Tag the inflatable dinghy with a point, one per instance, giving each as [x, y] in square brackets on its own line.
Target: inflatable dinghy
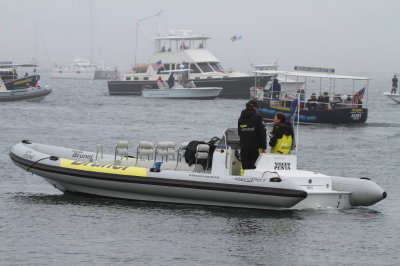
[161, 172]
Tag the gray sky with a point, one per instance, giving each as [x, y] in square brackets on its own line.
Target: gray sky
[352, 36]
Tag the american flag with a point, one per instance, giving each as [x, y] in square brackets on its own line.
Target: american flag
[357, 98]
[157, 65]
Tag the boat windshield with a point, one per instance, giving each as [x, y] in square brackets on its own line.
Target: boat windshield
[216, 66]
[205, 67]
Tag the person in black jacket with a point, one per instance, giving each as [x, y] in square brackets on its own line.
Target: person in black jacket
[252, 135]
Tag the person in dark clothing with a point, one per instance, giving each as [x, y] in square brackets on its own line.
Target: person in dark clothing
[282, 137]
[275, 89]
[312, 102]
[171, 81]
[394, 84]
[252, 135]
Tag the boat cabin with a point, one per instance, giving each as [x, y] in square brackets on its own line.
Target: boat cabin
[180, 48]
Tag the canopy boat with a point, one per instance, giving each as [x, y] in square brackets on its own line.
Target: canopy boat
[193, 173]
[181, 89]
[190, 49]
[331, 106]
[393, 96]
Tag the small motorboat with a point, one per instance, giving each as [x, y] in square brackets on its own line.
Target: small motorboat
[193, 173]
[36, 92]
[393, 96]
[182, 88]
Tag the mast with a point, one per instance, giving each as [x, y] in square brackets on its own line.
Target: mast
[91, 32]
[35, 59]
[138, 24]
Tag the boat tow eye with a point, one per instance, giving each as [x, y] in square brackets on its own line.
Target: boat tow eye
[26, 141]
[53, 158]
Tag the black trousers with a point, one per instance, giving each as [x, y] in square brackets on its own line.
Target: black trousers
[249, 157]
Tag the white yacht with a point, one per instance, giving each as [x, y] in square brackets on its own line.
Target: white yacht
[80, 68]
[190, 50]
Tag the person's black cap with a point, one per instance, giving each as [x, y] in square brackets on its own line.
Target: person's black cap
[251, 104]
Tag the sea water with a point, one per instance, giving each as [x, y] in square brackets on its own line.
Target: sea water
[41, 226]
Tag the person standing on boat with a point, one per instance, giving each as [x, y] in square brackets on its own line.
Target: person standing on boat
[394, 84]
[171, 81]
[275, 89]
[281, 138]
[253, 137]
[160, 83]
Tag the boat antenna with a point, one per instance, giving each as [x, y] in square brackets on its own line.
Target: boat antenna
[138, 24]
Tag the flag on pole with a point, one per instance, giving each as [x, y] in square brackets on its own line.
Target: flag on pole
[357, 98]
[236, 37]
[157, 65]
[293, 106]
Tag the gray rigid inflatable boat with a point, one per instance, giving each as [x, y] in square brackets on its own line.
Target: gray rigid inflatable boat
[160, 173]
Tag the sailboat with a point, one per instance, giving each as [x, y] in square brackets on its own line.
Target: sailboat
[81, 68]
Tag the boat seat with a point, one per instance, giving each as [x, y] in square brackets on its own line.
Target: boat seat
[144, 149]
[202, 151]
[165, 150]
[121, 150]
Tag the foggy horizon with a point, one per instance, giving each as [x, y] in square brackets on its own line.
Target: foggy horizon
[353, 37]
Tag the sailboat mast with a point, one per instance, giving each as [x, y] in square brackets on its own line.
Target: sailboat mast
[91, 32]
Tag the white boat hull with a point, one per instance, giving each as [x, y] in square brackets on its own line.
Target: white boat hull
[183, 93]
[393, 96]
[76, 171]
[72, 74]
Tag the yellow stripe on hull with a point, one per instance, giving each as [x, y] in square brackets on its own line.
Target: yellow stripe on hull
[103, 168]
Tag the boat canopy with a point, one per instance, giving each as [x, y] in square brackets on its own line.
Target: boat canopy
[11, 65]
[307, 74]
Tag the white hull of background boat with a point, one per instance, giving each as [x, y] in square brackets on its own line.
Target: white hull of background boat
[72, 74]
[393, 96]
[183, 93]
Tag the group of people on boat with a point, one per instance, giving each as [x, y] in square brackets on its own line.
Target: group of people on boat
[253, 136]
[171, 82]
[322, 103]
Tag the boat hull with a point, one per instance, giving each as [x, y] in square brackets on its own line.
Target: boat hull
[142, 184]
[25, 94]
[233, 87]
[331, 116]
[393, 96]
[106, 74]
[72, 74]
[22, 83]
[183, 93]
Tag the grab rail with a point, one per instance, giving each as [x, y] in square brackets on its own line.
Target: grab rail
[99, 146]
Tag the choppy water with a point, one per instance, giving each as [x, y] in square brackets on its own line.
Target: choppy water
[41, 226]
